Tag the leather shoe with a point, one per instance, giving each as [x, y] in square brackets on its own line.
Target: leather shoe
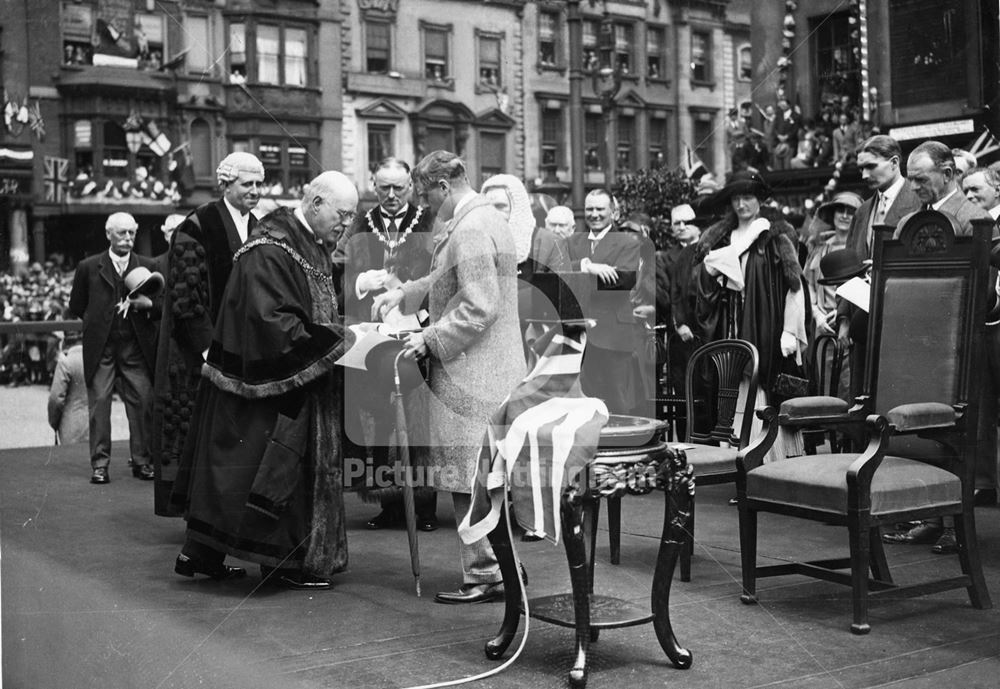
[143, 471]
[386, 519]
[925, 534]
[946, 544]
[100, 475]
[471, 593]
[300, 581]
[188, 567]
[427, 523]
[984, 497]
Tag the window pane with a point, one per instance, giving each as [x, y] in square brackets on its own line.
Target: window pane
[268, 52]
[491, 155]
[655, 44]
[237, 53]
[436, 54]
[593, 142]
[590, 58]
[114, 161]
[700, 57]
[548, 23]
[626, 137]
[746, 64]
[551, 132]
[149, 40]
[377, 47]
[295, 57]
[489, 61]
[196, 39]
[624, 35]
[379, 144]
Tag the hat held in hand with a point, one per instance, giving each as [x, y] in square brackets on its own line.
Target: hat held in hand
[140, 281]
[840, 266]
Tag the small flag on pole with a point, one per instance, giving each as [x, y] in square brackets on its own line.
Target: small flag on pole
[693, 167]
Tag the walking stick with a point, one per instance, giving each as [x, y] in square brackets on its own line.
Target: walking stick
[403, 457]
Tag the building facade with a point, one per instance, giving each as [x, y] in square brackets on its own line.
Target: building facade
[134, 105]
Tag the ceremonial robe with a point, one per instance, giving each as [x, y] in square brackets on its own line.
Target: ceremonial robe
[265, 484]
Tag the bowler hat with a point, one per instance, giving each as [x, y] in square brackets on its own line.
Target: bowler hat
[844, 198]
[140, 281]
[840, 266]
[381, 361]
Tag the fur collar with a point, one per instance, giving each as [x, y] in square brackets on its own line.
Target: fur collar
[782, 237]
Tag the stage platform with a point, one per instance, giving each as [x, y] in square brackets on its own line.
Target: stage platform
[90, 599]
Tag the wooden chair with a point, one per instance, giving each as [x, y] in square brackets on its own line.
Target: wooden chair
[827, 358]
[714, 375]
[919, 403]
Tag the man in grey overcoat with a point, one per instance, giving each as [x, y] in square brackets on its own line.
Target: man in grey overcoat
[472, 345]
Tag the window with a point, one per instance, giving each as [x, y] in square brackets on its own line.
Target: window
[551, 138]
[489, 61]
[656, 52]
[270, 156]
[624, 39]
[440, 139]
[590, 51]
[657, 143]
[744, 63]
[435, 53]
[150, 40]
[593, 142]
[492, 154]
[77, 22]
[701, 56]
[196, 41]
[378, 47]
[704, 137]
[624, 160]
[379, 144]
[201, 149]
[548, 38]
[114, 158]
[268, 54]
[83, 147]
[237, 53]
[298, 169]
[295, 57]
[838, 72]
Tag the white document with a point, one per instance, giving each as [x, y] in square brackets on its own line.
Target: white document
[857, 291]
[367, 335]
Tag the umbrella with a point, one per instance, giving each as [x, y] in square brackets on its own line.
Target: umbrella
[403, 457]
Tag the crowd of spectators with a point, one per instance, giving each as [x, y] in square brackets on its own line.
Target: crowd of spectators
[777, 137]
[39, 293]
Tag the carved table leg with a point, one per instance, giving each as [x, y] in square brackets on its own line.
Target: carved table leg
[571, 511]
[500, 540]
[676, 477]
[591, 516]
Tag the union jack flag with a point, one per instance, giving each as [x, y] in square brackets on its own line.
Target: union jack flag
[55, 178]
[537, 442]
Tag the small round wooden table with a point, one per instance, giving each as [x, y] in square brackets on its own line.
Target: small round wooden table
[619, 468]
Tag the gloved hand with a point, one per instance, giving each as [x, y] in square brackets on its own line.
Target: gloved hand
[789, 344]
[371, 280]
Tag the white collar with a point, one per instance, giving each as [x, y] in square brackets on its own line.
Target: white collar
[301, 217]
[994, 212]
[115, 258]
[892, 192]
[399, 214]
[238, 217]
[600, 235]
[937, 205]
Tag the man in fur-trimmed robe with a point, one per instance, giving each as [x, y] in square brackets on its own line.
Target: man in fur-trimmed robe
[199, 261]
[265, 483]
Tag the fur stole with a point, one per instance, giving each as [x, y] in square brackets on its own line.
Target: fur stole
[781, 238]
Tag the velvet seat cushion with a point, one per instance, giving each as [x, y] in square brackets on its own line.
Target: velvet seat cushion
[820, 482]
[921, 415]
[814, 405]
[709, 459]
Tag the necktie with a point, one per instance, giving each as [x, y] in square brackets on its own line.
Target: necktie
[593, 246]
[881, 211]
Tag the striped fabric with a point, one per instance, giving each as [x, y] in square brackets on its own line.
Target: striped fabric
[538, 441]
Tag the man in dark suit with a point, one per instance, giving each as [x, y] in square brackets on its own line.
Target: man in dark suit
[200, 260]
[118, 345]
[880, 160]
[384, 248]
[608, 369]
[931, 174]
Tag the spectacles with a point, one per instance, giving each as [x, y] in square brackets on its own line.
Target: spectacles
[346, 216]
